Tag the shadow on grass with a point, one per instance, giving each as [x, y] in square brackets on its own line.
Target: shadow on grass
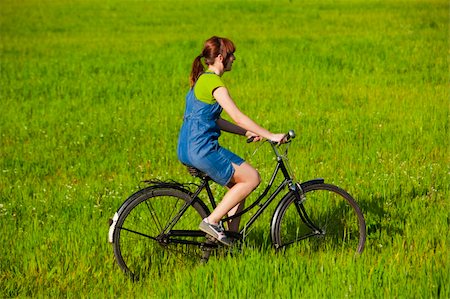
[386, 215]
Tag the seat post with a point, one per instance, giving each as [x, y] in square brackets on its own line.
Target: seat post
[205, 182]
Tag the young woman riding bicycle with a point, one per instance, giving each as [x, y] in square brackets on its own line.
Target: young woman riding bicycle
[202, 125]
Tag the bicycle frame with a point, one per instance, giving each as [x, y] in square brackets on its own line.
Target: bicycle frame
[282, 164]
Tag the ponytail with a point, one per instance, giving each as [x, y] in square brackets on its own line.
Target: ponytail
[197, 70]
[212, 48]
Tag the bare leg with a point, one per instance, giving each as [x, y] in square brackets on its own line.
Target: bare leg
[233, 224]
[244, 181]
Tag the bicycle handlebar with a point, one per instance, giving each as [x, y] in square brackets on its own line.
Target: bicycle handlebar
[289, 135]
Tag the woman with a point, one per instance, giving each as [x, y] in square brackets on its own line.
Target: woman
[198, 140]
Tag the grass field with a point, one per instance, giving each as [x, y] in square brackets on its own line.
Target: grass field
[92, 96]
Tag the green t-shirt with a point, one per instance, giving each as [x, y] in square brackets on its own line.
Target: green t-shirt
[205, 85]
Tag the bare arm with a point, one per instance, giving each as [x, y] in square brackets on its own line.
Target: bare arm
[224, 99]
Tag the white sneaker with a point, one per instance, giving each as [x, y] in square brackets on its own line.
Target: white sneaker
[216, 231]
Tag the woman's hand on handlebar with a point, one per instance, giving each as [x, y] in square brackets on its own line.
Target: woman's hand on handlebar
[275, 138]
[252, 137]
[278, 138]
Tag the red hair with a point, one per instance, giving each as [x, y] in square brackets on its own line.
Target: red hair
[212, 48]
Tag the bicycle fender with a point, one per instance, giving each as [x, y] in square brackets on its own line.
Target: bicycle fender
[312, 182]
[153, 185]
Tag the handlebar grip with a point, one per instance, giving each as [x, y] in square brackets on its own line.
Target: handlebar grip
[250, 139]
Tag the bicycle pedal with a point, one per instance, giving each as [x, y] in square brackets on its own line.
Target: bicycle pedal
[233, 235]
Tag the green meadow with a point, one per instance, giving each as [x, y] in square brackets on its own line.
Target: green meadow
[91, 101]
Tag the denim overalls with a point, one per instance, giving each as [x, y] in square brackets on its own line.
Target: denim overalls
[198, 144]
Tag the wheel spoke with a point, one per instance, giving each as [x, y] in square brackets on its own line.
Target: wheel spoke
[137, 233]
[151, 210]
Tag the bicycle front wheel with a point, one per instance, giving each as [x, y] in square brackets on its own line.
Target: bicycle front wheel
[327, 216]
[142, 239]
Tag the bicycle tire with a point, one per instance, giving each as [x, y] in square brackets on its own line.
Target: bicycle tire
[136, 247]
[338, 221]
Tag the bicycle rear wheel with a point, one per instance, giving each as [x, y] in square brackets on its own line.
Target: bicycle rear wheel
[139, 242]
[328, 216]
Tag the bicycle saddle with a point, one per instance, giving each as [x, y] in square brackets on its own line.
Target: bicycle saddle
[196, 173]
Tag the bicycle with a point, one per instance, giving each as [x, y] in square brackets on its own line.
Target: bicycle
[162, 219]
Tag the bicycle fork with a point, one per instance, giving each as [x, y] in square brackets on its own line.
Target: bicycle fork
[299, 199]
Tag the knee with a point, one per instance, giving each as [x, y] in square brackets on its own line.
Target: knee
[248, 175]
